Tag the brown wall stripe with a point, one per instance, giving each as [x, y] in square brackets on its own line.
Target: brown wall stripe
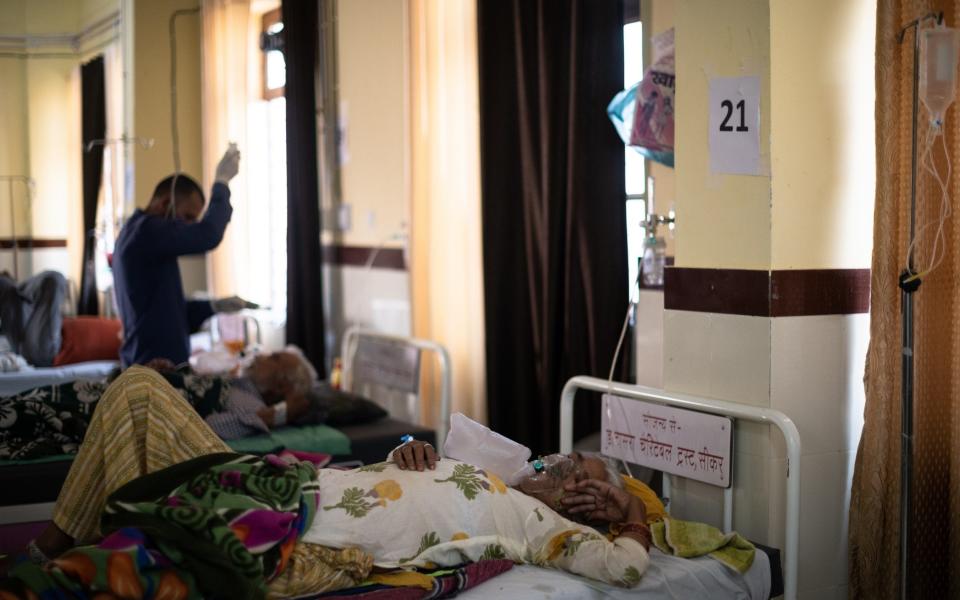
[357, 256]
[26, 243]
[787, 293]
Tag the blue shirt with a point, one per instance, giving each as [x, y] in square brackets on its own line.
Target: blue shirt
[157, 319]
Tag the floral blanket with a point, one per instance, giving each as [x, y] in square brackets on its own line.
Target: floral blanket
[227, 527]
[459, 513]
[52, 420]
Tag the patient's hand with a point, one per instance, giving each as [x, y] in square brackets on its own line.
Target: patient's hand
[161, 365]
[597, 500]
[415, 455]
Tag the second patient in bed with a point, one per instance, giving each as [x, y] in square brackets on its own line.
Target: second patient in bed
[273, 390]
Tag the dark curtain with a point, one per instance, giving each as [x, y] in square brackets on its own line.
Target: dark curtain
[554, 223]
[94, 127]
[305, 326]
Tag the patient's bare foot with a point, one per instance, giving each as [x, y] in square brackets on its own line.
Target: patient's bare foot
[53, 541]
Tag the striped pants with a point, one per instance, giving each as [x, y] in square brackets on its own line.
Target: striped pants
[141, 425]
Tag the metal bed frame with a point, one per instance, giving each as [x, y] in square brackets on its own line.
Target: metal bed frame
[348, 349]
[720, 407]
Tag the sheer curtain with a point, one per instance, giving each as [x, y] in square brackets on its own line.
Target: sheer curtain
[226, 31]
[875, 501]
[251, 260]
[447, 261]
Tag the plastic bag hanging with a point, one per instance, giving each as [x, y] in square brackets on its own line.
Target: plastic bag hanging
[643, 114]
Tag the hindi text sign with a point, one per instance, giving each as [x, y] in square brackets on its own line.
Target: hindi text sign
[687, 443]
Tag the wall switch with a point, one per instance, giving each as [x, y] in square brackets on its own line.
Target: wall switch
[344, 217]
[338, 218]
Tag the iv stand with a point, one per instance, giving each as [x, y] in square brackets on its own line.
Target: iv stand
[907, 287]
[29, 183]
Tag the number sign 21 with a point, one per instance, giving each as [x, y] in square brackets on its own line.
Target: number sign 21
[735, 125]
[728, 106]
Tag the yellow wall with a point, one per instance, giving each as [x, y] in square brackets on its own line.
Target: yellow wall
[92, 11]
[151, 105]
[54, 144]
[722, 220]
[151, 95]
[822, 93]
[373, 68]
[665, 193]
[39, 115]
[14, 156]
[816, 119]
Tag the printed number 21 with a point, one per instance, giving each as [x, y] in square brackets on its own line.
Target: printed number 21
[727, 104]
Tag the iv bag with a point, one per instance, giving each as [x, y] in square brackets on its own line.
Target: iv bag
[939, 49]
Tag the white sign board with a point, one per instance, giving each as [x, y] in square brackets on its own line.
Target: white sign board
[682, 442]
[735, 125]
[391, 364]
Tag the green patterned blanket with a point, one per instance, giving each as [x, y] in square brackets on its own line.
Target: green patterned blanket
[218, 526]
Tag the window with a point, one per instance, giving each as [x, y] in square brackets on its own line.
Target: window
[266, 266]
[274, 66]
[635, 167]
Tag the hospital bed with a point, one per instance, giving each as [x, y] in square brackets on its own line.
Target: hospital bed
[391, 370]
[670, 577]
[21, 381]
[370, 367]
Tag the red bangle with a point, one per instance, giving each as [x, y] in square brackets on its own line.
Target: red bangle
[641, 529]
[635, 527]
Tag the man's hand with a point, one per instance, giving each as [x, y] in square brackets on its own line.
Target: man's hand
[416, 455]
[229, 165]
[231, 305]
[597, 500]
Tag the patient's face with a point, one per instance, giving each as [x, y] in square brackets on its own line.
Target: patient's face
[270, 373]
[548, 486]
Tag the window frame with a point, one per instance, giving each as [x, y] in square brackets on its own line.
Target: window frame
[269, 18]
[634, 11]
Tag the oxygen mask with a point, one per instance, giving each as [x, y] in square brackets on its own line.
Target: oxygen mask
[550, 475]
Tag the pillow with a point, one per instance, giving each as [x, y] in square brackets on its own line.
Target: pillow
[88, 338]
[655, 509]
[338, 408]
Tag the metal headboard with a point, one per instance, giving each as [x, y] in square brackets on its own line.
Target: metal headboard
[348, 349]
[720, 407]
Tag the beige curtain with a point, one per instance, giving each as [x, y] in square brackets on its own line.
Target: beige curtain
[447, 269]
[875, 502]
[226, 30]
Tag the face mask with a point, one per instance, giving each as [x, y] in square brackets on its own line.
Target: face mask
[551, 474]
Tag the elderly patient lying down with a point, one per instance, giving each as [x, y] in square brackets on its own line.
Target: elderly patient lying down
[273, 389]
[208, 521]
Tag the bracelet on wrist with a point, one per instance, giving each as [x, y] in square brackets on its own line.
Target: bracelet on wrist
[635, 527]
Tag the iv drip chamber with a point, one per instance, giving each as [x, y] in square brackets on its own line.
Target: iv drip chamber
[939, 50]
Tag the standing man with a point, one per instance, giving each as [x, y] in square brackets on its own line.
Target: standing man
[157, 319]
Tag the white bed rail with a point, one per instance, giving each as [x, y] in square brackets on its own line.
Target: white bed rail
[348, 347]
[732, 409]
